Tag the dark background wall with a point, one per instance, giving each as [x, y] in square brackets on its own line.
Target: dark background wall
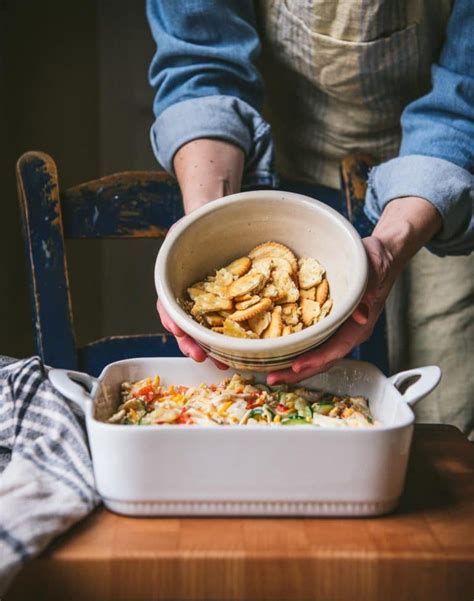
[73, 84]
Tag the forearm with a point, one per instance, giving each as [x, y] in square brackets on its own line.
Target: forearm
[207, 169]
[406, 225]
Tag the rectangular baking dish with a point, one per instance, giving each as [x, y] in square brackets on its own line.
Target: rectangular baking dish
[249, 470]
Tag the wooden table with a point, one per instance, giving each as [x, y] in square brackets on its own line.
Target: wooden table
[424, 551]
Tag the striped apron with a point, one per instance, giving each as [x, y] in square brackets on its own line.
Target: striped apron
[338, 75]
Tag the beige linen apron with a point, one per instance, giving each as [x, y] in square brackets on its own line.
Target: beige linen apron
[338, 74]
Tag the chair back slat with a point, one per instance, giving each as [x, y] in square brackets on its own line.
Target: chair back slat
[133, 204]
[38, 192]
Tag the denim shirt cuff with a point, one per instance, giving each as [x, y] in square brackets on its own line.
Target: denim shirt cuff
[446, 186]
[221, 117]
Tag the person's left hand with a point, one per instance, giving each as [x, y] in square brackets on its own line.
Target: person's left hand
[358, 328]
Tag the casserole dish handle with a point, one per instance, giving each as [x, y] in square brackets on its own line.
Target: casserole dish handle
[74, 385]
[427, 378]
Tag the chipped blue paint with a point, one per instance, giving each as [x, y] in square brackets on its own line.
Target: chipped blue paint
[136, 204]
[39, 203]
[44, 241]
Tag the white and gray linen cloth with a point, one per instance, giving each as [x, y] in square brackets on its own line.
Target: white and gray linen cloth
[46, 478]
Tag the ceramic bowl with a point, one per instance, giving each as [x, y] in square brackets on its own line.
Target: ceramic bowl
[226, 229]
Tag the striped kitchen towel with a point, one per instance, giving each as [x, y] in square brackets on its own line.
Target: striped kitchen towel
[46, 479]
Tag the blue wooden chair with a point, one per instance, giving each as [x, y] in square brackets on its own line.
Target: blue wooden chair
[125, 205]
[132, 204]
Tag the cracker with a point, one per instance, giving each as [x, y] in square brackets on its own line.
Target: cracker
[247, 283]
[275, 327]
[310, 272]
[274, 249]
[322, 292]
[262, 305]
[260, 322]
[210, 303]
[310, 311]
[239, 267]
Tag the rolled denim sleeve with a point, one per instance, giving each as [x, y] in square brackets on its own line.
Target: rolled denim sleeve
[436, 159]
[206, 81]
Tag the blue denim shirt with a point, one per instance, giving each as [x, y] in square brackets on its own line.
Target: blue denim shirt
[207, 85]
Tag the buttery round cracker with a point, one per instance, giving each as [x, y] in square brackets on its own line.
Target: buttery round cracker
[216, 289]
[263, 266]
[274, 249]
[286, 286]
[239, 267]
[232, 328]
[322, 292]
[224, 277]
[214, 319]
[310, 272]
[245, 284]
[210, 303]
[310, 311]
[259, 323]
[276, 326]
[194, 292]
[290, 314]
[309, 293]
[262, 305]
[245, 304]
[325, 309]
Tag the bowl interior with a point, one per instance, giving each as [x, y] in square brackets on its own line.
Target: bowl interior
[232, 228]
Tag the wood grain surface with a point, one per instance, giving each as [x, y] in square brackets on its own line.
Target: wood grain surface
[424, 551]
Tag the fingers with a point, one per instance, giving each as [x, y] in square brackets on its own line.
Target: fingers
[322, 358]
[218, 364]
[336, 347]
[188, 346]
[167, 322]
[191, 349]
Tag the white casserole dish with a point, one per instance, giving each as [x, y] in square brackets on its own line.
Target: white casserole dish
[249, 470]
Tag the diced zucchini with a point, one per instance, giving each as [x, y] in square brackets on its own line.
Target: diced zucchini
[304, 410]
[322, 408]
[294, 421]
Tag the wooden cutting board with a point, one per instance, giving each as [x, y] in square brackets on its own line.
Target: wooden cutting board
[424, 551]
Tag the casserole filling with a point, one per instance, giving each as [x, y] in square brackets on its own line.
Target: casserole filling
[237, 400]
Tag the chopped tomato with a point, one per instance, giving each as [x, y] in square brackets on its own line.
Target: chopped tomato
[280, 407]
[144, 391]
[183, 417]
[182, 389]
[252, 404]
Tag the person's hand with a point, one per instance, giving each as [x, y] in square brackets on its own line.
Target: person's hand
[187, 345]
[357, 328]
[405, 226]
